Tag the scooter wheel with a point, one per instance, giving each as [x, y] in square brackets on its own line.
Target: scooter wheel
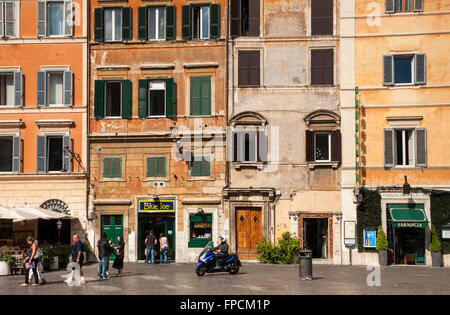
[200, 270]
[234, 268]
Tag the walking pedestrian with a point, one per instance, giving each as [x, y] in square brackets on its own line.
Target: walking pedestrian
[120, 253]
[40, 267]
[150, 242]
[76, 256]
[163, 248]
[104, 251]
[31, 262]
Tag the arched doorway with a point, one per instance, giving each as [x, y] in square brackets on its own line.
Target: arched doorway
[48, 229]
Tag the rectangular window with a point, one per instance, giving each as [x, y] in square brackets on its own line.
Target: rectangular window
[55, 153]
[200, 96]
[404, 144]
[249, 68]
[201, 230]
[156, 167]
[6, 89]
[200, 166]
[112, 167]
[113, 24]
[403, 5]
[7, 18]
[244, 17]
[157, 98]
[55, 88]
[246, 146]
[113, 97]
[156, 23]
[55, 16]
[322, 61]
[6, 154]
[322, 146]
[200, 22]
[322, 17]
[403, 69]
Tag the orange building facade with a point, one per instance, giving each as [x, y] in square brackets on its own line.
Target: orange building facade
[43, 58]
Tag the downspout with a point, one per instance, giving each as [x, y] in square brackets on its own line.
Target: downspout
[88, 92]
[227, 165]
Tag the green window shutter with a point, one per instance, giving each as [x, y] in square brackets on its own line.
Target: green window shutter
[206, 96]
[127, 21]
[156, 167]
[112, 167]
[200, 96]
[170, 97]
[215, 21]
[117, 167]
[171, 22]
[142, 23]
[99, 103]
[107, 167]
[186, 22]
[143, 98]
[195, 97]
[98, 25]
[126, 99]
[200, 167]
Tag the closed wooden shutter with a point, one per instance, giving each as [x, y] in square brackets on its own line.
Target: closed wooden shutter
[68, 18]
[389, 148]
[16, 154]
[10, 25]
[171, 22]
[421, 147]
[388, 70]
[126, 99]
[420, 68]
[156, 167]
[98, 25]
[68, 84]
[201, 166]
[253, 17]
[215, 21]
[17, 88]
[127, 19]
[418, 5]
[143, 98]
[309, 145]
[322, 17]
[99, 103]
[249, 68]
[142, 23]
[41, 18]
[322, 61]
[336, 151]
[186, 22]
[235, 18]
[41, 88]
[67, 146]
[170, 97]
[200, 96]
[41, 164]
[112, 167]
[389, 6]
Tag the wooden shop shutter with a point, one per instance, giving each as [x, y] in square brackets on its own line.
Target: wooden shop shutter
[171, 22]
[99, 104]
[126, 99]
[309, 145]
[214, 21]
[127, 18]
[389, 148]
[421, 147]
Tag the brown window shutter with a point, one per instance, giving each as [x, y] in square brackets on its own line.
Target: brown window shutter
[322, 17]
[309, 146]
[322, 72]
[235, 147]
[235, 18]
[248, 68]
[336, 152]
[253, 18]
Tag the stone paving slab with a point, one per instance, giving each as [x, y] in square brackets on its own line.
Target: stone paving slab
[252, 279]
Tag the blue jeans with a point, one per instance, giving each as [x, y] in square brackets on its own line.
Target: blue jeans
[152, 251]
[103, 265]
[163, 253]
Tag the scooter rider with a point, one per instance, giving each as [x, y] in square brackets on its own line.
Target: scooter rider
[221, 251]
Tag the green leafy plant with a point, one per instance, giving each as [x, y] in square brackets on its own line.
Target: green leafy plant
[382, 243]
[6, 256]
[280, 253]
[435, 245]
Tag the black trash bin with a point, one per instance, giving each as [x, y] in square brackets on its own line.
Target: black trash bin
[305, 264]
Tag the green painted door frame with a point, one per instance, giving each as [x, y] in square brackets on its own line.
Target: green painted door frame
[112, 225]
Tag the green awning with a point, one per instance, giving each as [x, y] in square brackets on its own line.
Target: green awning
[407, 215]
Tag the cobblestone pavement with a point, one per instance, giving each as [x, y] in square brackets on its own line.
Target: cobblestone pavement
[252, 279]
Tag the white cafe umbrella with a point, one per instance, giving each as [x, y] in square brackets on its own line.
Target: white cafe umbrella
[32, 213]
[7, 213]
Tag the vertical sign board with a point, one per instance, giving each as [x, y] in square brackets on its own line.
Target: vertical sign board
[370, 238]
[350, 233]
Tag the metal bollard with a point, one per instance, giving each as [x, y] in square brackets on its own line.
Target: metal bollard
[305, 264]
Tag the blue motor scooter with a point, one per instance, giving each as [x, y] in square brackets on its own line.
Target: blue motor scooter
[207, 262]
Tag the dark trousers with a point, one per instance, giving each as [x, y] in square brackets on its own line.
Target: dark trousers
[219, 258]
[35, 274]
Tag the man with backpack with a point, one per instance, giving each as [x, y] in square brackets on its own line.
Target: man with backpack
[104, 251]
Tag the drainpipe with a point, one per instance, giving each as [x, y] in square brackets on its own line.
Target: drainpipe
[227, 165]
[88, 56]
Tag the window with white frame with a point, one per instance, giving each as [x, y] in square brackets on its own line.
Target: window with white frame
[405, 147]
[53, 153]
[245, 146]
[113, 24]
[55, 88]
[322, 146]
[200, 22]
[6, 89]
[404, 69]
[156, 23]
[157, 98]
[55, 18]
[404, 144]
[7, 18]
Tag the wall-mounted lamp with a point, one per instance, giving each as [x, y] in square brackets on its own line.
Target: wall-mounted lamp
[406, 187]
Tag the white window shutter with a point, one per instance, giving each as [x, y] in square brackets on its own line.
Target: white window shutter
[68, 18]
[10, 24]
[18, 88]
[68, 91]
[421, 147]
[41, 18]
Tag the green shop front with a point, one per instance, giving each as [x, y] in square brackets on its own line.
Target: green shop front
[407, 224]
[159, 215]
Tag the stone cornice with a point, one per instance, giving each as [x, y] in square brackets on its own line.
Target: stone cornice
[57, 123]
[11, 123]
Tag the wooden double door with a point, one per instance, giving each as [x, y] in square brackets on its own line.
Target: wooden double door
[248, 232]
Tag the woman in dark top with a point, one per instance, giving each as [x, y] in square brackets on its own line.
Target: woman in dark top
[32, 262]
[118, 261]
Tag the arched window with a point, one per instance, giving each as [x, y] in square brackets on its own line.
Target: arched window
[56, 205]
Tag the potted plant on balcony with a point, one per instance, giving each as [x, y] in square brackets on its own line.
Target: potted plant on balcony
[435, 248]
[382, 247]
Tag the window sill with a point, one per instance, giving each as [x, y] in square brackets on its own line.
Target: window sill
[241, 165]
[200, 178]
[105, 180]
[312, 165]
[156, 179]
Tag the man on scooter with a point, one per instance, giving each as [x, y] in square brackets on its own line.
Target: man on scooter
[221, 251]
